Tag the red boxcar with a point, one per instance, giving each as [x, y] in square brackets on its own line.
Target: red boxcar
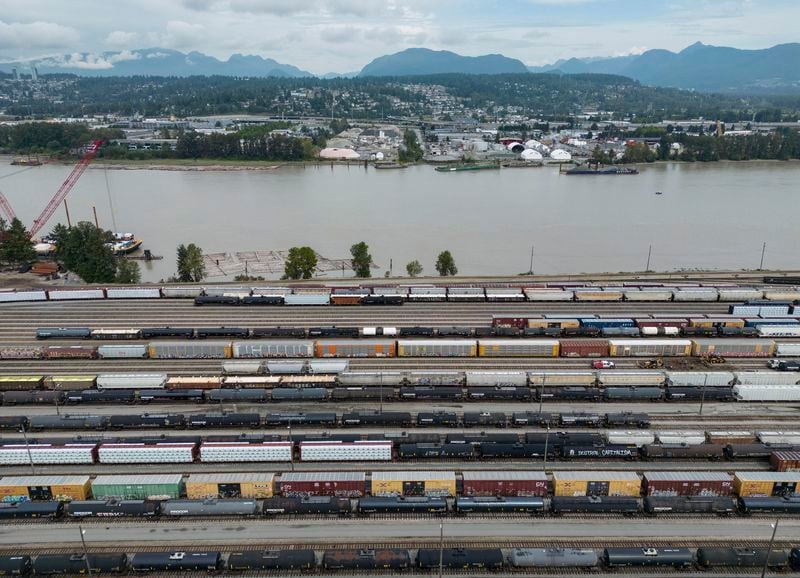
[515, 483]
[339, 484]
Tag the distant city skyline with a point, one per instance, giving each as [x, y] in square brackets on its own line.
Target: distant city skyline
[343, 35]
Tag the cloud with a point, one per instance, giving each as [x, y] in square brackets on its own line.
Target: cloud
[180, 34]
[121, 39]
[36, 35]
[339, 34]
[89, 61]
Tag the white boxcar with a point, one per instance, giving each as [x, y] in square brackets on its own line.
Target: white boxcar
[245, 452]
[779, 437]
[585, 378]
[47, 454]
[465, 294]
[273, 348]
[271, 291]
[779, 330]
[122, 351]
[695, 294]
[740, 294]
[328, 366]
[745, 310]
[346, 451]
[9, 296]
[782, 293]
[768, 377]
[643, 377]
[689, 438]
[636, 438]
[427, 294]
[787, 349]
[548, 295]
[307, 299]
[767, 392]
[131, 380]
[371, 378]
[182, 292]
[220, 290]
[70, 294]
[133, 293]
[708, 378]
[242, 367]
[496, 378]
[133, 453]
[504, 294]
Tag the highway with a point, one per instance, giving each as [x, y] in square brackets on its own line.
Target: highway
[267, 531]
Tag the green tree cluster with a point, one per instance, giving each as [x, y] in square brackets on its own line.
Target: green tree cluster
[410, 151]
[300, 263]
[15, 243]
[445, 264]
[191, 268]
[83, 250]
[128, 272]
[51, 137]
[414, 268]
[361, 259]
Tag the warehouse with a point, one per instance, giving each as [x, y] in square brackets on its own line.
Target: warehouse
[138, 487]
[518, 347]
[508, 483]
[596, 484]
[758, 484]
[230, 485]
[649, 347]
[704, 484]
[414, 483]
[24, 488]
[337, 484]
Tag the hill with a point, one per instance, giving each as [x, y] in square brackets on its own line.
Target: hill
[418, 61]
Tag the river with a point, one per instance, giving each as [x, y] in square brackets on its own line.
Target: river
[714, 215]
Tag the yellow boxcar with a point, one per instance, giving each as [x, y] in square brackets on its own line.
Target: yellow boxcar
[233, 485]
[413, 483]
[716, 322]
[20, 382]
[766, 483]
[41, 488]
[596, 484]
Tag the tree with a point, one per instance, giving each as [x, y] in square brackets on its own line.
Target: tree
[410, 151]
[16, 248]
[300, 264]
[445, 264]
[414, 268]
[128, 272]
[83, 249]
[361, 260]
[190, 263]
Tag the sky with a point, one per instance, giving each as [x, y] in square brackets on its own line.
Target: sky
[343, 35]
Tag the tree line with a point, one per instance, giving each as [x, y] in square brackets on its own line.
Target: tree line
[51, 137]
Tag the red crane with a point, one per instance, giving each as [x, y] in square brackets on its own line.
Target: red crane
[38, 223]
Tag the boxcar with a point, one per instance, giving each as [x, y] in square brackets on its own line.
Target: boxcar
[741, 558]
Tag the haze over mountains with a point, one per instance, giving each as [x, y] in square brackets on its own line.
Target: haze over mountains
[699, 67]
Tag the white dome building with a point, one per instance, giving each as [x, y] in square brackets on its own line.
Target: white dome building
[516, 147]
[531, 155]
[560, 155]
[333, 154]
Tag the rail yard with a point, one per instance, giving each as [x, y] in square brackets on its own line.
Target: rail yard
[552, 429]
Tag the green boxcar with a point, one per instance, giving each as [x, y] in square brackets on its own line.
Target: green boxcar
[138, 487]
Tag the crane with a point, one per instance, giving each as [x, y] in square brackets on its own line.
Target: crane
[62, 192]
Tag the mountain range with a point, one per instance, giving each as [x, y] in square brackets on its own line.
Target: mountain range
[698, 67]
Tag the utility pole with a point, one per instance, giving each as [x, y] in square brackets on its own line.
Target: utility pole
[703, 393]
[291, 447]
[530, 269]
[763, 250]
[769, 549]
[649, 252]
[28, 449]
[85, 551]
[441, 548]
[66, 208]
[94, 211]
[541, 394]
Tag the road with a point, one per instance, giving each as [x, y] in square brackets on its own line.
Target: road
[264, 531]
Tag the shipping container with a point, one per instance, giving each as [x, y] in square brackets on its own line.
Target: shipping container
[44, 488]
[218, 452]
[138, 487]
[338, 484]
[355, 348]
[704, 484]
[584, 348]
[437, 348]
[416, 483]
[769, 484]
[272, 348]
[596, 483]
[122, 351]
[131, 380]
[504, 483]
[649, 347]
[345, 451]
[189, 350]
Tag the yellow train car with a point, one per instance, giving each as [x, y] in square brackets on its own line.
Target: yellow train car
[518, 348]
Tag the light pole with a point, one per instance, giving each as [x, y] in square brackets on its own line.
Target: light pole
[28, 450]
[703, 392]
[769, 549]
[85, 551]
[546, 442]
[291, 446]
[441, 548]
[541, 393]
